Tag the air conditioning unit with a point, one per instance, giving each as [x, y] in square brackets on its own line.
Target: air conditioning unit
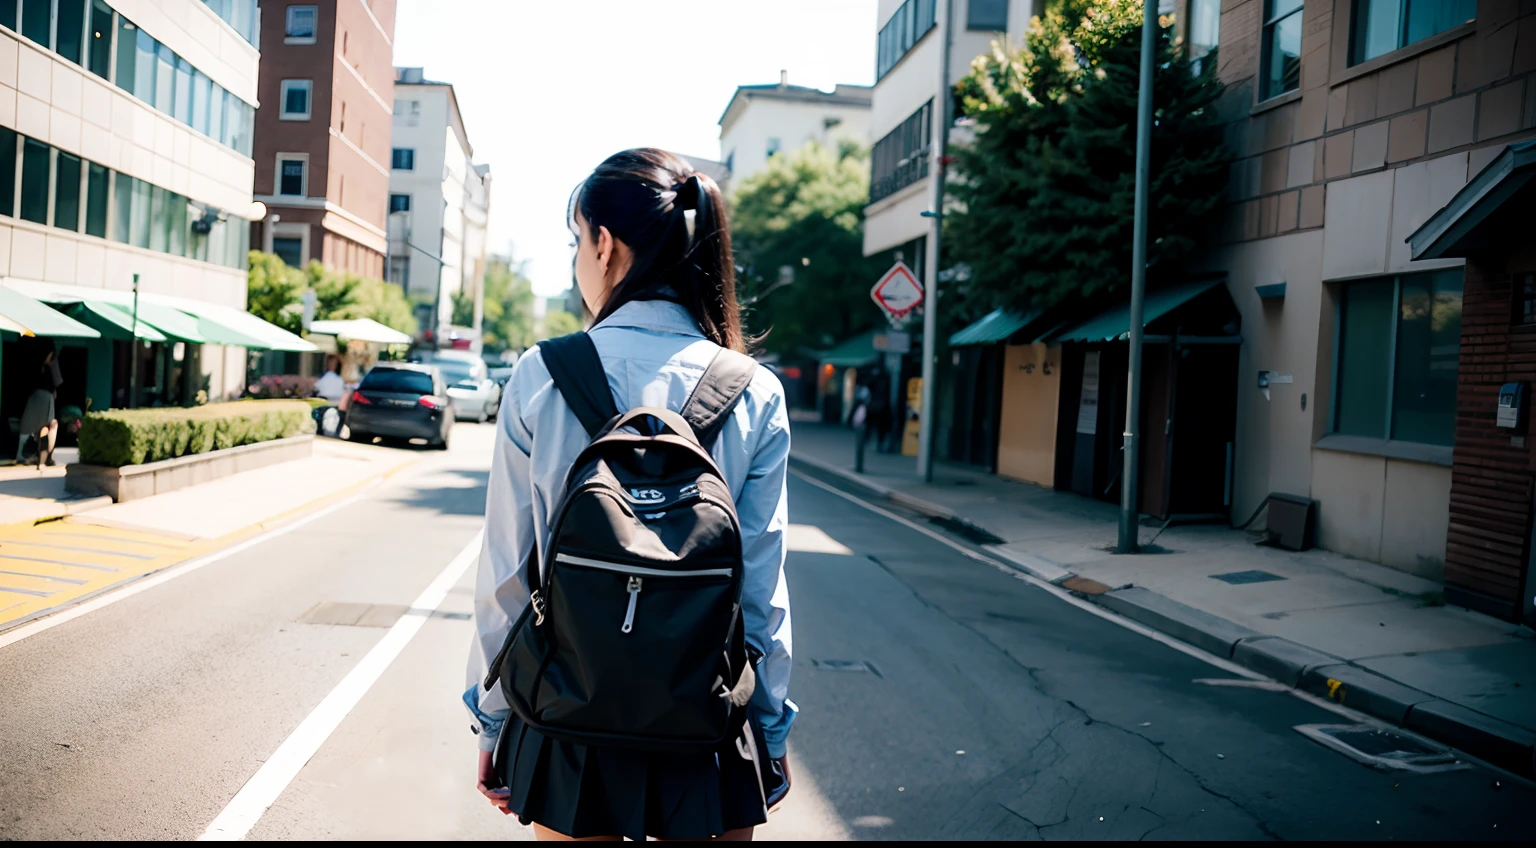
[1292, 521]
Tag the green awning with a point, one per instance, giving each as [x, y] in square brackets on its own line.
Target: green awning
[222, 325]
[39, 319]
[852, 353]
[113, 322]
[1115, 324]
[995, 326]
[174, 323]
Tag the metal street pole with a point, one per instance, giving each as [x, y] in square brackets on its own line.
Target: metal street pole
[928, 415]
[133, 349]
[1129, 511]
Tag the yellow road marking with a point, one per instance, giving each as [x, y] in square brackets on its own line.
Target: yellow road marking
[45, 566]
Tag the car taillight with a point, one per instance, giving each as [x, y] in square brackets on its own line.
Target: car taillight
[357, 397]
[430, 402]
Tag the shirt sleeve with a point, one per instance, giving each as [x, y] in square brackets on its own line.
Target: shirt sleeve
[501, 579]
[763, 509]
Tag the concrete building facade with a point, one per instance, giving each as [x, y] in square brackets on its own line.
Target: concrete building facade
[322, 132]
[1349, 132]
[762, 121]
[125, 134]
[439, 201]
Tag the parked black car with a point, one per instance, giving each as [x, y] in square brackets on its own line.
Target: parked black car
[401, 401]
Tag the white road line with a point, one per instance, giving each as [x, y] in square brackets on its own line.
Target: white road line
[269, 781]
[112, 595]
[1089, 607]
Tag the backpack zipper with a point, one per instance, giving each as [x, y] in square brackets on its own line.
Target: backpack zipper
[639, 570]
[634, 596]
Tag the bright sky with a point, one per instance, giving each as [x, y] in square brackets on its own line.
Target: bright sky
[550, 89]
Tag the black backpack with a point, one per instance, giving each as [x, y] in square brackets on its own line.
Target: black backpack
[633, 634]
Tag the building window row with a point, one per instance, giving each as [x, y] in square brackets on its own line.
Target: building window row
[402, 158]
[241, 15]
[901, 157]
[52, 187]
[300, 25]
[987, 16]
[1398, 356]
[1381, 26]
[295, 99]
[905, 28]
[1281, 48]
[399, 203]
[87, 31]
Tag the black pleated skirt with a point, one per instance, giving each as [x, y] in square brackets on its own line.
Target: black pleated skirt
[581, 790]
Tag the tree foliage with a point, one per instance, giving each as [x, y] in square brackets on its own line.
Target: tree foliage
[508, 318]
[1045, 192]
[275, 291]
[558, 323]
[804, 213]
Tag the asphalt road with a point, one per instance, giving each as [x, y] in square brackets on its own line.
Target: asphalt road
[941, 697]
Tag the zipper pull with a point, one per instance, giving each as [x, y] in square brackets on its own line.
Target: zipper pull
[634, 595]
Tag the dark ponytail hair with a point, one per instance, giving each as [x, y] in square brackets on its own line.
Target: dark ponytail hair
[644, 197]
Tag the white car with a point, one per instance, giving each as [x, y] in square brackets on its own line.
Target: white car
[474, 395]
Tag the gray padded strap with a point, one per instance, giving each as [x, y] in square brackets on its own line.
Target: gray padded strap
[724, 382]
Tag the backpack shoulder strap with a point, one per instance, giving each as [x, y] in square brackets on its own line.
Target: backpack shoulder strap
[578, 372]
[724, 382]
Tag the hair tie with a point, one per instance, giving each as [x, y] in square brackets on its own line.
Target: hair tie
[686, 196]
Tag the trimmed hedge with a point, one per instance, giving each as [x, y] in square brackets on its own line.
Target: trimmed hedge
[121, 437]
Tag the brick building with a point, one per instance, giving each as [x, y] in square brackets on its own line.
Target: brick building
[322, 132]
[1352, 124]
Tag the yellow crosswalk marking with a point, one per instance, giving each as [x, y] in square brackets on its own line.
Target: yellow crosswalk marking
[48, 566]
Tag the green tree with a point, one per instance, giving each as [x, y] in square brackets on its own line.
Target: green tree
[1045, 191]
[273, 291]
[508, 318]
[800, 221]
[556, 324]
[463, 308]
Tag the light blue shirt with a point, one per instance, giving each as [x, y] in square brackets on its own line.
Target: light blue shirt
[654, 355]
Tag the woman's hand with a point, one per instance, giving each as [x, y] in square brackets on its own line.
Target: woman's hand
[487, 778]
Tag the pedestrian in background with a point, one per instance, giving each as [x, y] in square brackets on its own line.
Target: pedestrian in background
[39, 419]
[654, 265]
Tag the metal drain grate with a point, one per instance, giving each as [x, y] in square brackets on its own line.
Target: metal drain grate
[847, 666]
[1384, 749]
[1239, 578]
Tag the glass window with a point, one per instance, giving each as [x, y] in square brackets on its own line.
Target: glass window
[231, 119]
[69, 31]
[183, 97]
[987, 15]
[1204, 32]
[385, 379]
[290, 249]
[216, 113]
[202, 89]
[36, 20]
[96, 200]
[1282, 47]
[1381, 26]
[399, 203]
[66, 192]
[295, 99]
[773, 146]
[34, 180]
[906, 27]
[165, 80]
[176, 227]
[300, 22]
[290, 180]
[159, 219]
[8, 13]
[7, 168]
[403, 159]
[8, 142]
[1399, 349]
[141, 213]
[99, 51]
[122, 207]
[127, 56]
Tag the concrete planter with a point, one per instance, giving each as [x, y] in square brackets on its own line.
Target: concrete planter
[132, 482]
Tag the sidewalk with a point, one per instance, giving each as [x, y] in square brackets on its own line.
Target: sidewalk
[1377, 639]
[56, 551]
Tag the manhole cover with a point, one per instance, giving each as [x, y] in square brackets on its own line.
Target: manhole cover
[1385, 749]
[846, 666]
[1238, 578]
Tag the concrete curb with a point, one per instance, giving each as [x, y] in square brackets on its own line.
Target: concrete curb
[1500, 743]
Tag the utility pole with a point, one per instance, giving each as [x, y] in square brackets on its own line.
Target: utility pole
[928, 415]
[1129, 507]
[133, 349]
